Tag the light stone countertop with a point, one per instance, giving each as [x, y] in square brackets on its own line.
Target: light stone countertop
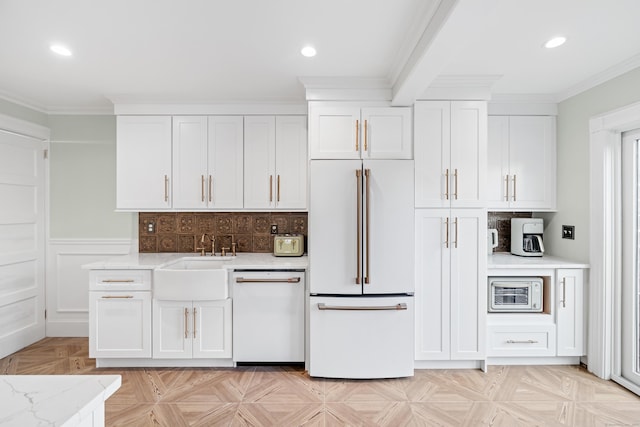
[504, 260]
[244, 260]
[53, 400]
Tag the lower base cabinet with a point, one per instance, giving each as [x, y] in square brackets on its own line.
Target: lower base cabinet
[192, 329]
[120, 324]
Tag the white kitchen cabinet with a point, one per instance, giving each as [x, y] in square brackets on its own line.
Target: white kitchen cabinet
[339, 131]
[450, 284]
[521, 165]
[450, 139]
[208, 162]
[570, 315]
[275, 162]
[119, 324]
[143, 163]
[191, 329]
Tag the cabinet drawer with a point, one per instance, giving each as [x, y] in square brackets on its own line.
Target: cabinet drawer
[522, 340]
[120, 280]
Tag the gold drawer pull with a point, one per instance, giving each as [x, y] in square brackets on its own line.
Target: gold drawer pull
[117, 296]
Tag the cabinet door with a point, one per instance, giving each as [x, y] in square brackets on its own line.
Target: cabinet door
[432, 135]
[120, 324]
[498, 175]
[468, 243]
[143, 162]
[334, 132]
[190, 179]
[467, 172]
[532, 162]
[432, 297]
[259, 162]
[225, 162]
[291, 162]
[211, 331]
[386, 133]
[570, 303]
[172, 330]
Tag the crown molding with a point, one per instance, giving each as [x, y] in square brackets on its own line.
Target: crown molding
[346, 89]
[212, 109]
[608, 74]
[24, 127]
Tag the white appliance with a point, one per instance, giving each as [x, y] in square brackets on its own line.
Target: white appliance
[361, 268]
[526, 236]
[515, 294]
[268, 316]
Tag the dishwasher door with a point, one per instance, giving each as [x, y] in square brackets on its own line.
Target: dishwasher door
[268, 316]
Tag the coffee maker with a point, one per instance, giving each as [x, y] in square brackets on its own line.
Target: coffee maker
[526, 236]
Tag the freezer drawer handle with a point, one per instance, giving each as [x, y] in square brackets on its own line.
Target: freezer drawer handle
[323, 306]
[118, 281]
[117, 296]
[287, 280]
[522, 342]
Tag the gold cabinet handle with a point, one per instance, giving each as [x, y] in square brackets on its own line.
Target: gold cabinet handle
[118, 281]
[446, 233]
[514, 188]
[506, 189]
[210, 187]
[446, 184]
[195, 314]
[455, 187]
[202, 187]
[367, 172]
[278, 190]
[186, 322]
[564, 292]
[166, 188]
[365, 135]
[117, 296]
[358, 224]
[357, 135]
[270, 188]
[455, 242]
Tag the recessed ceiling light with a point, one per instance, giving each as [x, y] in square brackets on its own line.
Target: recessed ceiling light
[60, 49]
[555, 42]
[308, 51]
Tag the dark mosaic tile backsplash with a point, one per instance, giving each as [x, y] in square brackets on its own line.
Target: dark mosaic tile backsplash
[251, 231]
[502, 222]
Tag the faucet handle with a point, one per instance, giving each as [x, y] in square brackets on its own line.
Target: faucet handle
[233, 248]
[224, 251]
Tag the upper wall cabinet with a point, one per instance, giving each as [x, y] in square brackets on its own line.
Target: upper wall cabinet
[143, 158]
[350, 132]
[450, 140]
[521, 173]
[275, 159]
[207, 162]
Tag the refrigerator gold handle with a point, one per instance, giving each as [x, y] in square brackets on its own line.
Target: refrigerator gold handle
[358, 224]
[367, 173]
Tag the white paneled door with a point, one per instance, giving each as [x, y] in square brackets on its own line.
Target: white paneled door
[22, 214]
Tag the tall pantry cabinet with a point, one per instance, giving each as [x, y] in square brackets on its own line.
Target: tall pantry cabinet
[450, 146]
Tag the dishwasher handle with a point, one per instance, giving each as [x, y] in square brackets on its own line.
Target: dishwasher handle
[274, 280]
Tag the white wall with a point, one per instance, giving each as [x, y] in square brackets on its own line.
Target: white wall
[573, 161]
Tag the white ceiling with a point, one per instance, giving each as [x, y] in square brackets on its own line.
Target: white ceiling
[215, 51]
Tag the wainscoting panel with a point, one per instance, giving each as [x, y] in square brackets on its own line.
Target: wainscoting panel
[67, 286]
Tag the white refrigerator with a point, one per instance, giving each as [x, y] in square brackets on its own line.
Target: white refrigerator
[361, 268]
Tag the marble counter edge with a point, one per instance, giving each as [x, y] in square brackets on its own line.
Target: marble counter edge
[507, 261]
[61, 400]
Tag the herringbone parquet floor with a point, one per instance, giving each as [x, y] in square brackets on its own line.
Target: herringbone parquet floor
[277, 396]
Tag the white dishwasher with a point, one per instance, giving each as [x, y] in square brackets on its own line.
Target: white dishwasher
[268, 315]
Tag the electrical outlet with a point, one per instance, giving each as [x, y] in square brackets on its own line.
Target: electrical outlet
[151, 227]
[274, 228]
[568, 232]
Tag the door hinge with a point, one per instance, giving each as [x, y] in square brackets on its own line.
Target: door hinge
[46, 153]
